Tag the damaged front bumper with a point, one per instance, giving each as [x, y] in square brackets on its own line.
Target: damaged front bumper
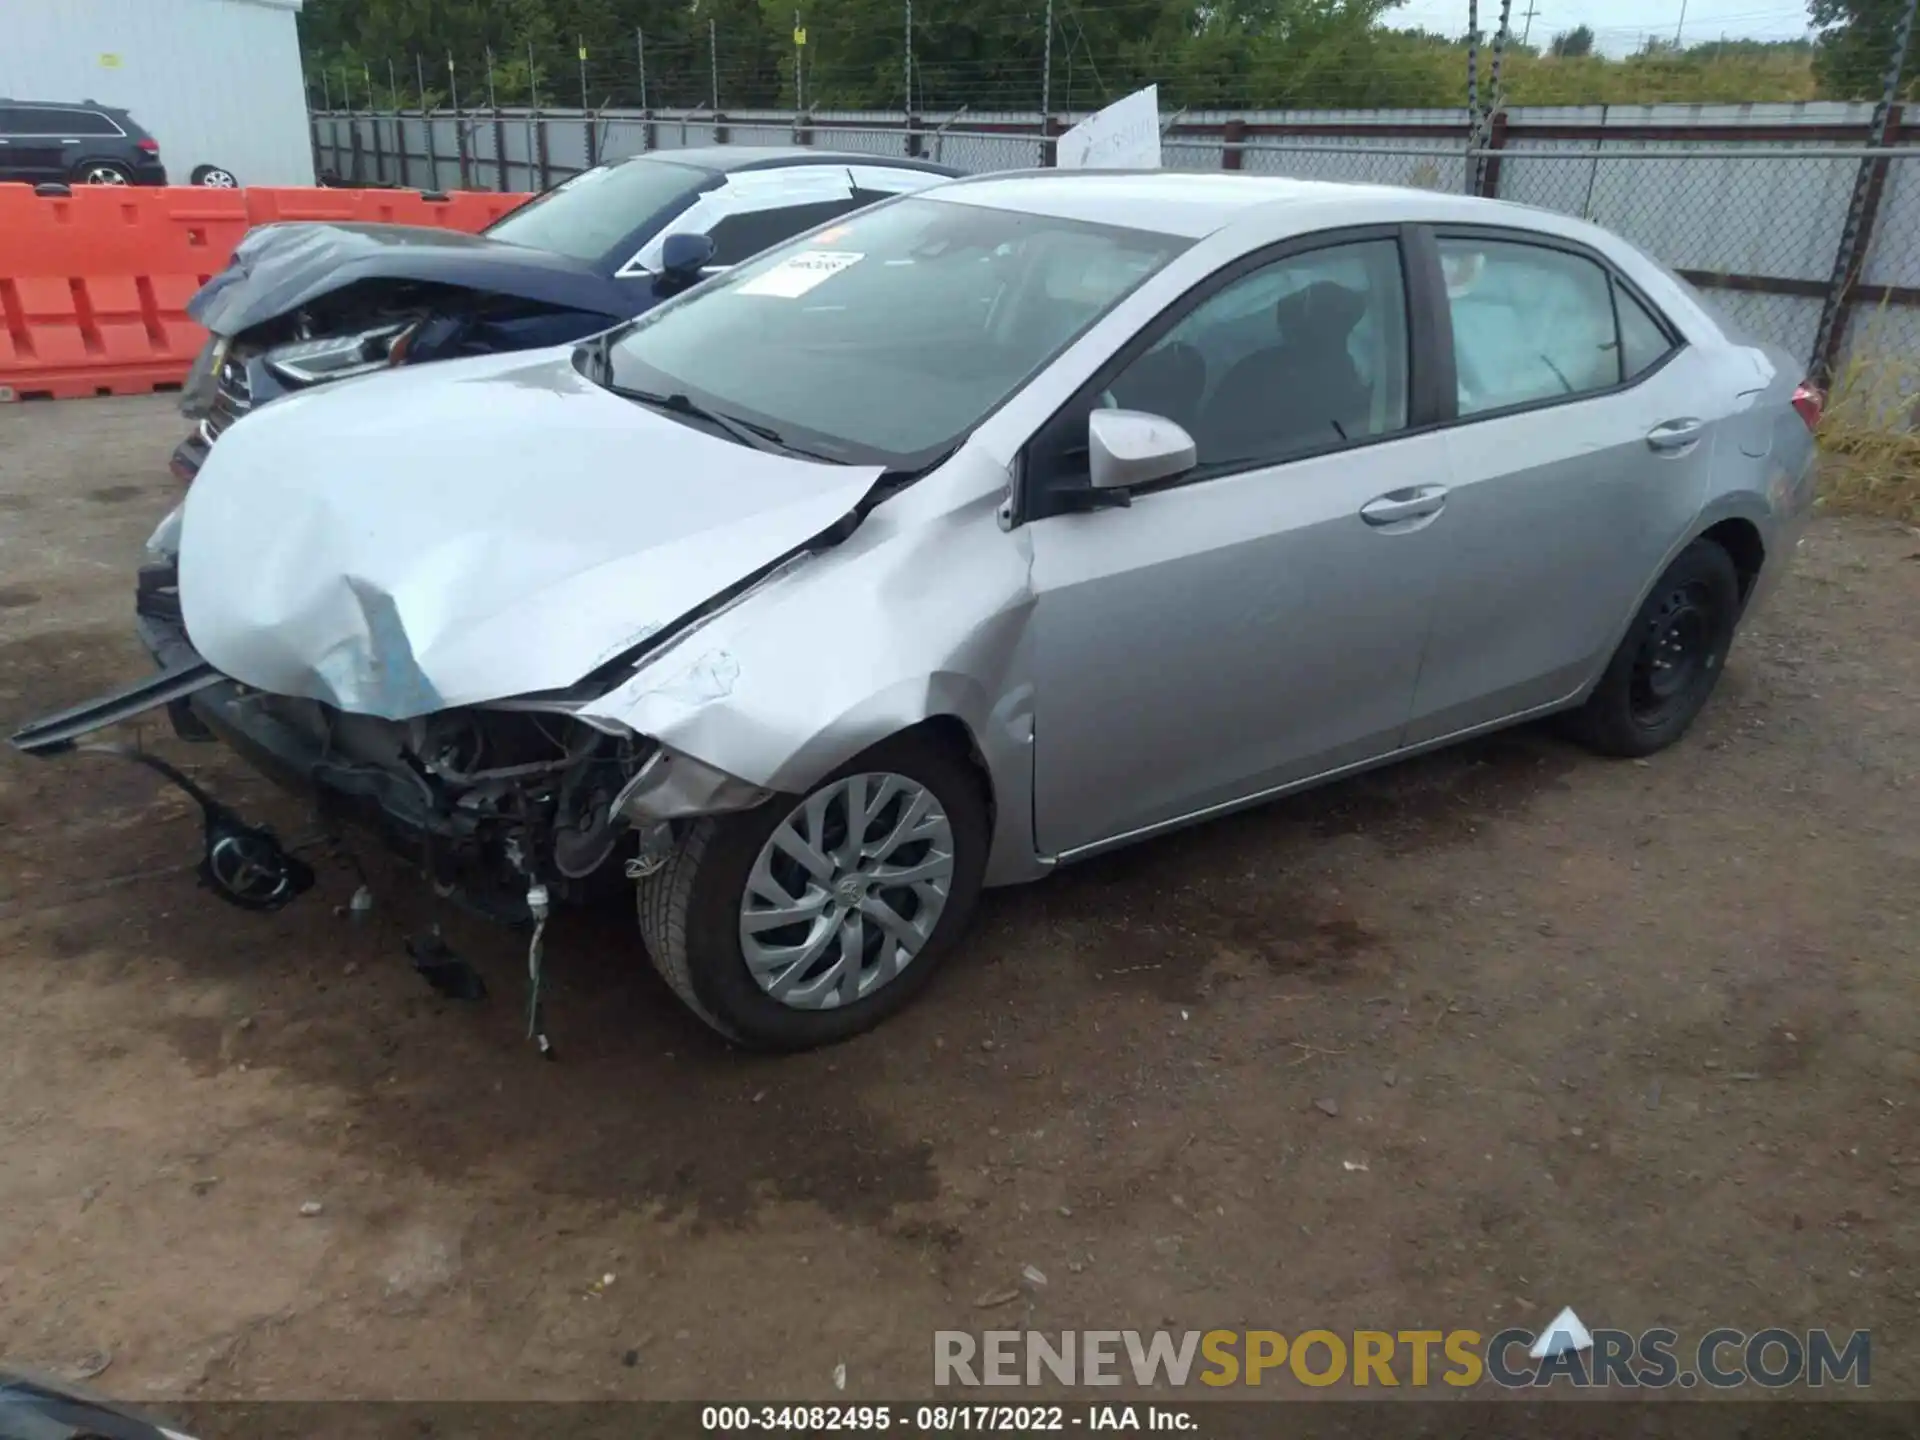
[488, 803]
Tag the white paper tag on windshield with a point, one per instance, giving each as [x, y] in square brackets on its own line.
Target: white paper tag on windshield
[797, 274]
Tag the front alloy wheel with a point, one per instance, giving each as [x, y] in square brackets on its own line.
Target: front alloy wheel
[847, 891]
[808, 920]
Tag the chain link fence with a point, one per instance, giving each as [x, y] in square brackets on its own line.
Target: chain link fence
[1793, 228]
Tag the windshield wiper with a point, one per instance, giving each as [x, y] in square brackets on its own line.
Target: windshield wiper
[747, 432]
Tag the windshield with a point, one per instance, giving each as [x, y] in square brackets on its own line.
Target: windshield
[889, 336]
[587, 216]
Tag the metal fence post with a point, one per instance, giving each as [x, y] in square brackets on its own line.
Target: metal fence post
[1232, 136]
[538, 128]
[353, 135]
[433, 151]
[1490, 164]
[500, 149]
[913, 136]
[1473, 90]
[1856, 235]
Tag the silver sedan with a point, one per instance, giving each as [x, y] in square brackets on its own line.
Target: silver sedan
[973, 534]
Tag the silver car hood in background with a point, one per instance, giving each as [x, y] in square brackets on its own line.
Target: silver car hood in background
[471, 531]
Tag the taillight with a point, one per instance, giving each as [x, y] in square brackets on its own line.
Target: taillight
[1808, 400]
[150, 145]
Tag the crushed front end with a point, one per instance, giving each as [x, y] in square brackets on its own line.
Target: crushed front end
[485, 800]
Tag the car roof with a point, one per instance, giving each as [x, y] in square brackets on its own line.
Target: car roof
[725, 158]
[1195, 204]
[63, 105]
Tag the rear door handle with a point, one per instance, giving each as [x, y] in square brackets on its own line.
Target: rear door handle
[1398, 505]
[1675, 435]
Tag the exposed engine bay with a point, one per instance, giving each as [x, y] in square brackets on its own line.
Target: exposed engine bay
[534, 790]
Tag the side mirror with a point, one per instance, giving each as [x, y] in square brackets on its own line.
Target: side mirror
[682, 257]
[1126, 448]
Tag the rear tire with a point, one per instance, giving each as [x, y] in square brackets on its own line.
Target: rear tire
[696, 911]
[216, 177]
[102, 172]
[1669, 662]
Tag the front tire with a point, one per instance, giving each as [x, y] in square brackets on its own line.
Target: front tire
[813, 918]
[1670, 660]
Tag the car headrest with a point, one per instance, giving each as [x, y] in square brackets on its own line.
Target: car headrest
[1324, 310]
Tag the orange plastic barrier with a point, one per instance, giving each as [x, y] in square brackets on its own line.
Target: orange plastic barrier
[94, 285]
[468, 210]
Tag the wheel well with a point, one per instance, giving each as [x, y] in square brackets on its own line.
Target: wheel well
[1741, 540]
[952, 732]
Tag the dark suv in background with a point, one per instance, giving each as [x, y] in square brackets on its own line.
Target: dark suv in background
[84, 144]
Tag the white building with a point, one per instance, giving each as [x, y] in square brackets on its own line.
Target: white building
[216, 82]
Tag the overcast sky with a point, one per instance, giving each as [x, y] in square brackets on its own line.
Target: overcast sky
[1619, 24]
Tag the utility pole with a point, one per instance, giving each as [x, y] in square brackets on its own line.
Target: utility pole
[1680, 25]
[640, 42]
[1526, 30]
[420, 79]
[799, 53]
[583, 71]
[492, 102]
[713, 60]
[393, 86]
[1046, 72]
[908, 70]
[453, 85]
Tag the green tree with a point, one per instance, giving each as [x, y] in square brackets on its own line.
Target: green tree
[1855, 46]
[1574, 44]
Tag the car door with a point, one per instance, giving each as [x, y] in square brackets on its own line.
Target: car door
[1260, 620]
[33, 144]
[1581, 454]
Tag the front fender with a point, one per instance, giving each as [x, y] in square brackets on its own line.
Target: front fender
[922, 614]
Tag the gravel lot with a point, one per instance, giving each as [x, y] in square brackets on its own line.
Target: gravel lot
[1639, 1038]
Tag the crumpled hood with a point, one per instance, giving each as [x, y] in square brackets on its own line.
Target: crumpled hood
[471, 531]
[280, 267]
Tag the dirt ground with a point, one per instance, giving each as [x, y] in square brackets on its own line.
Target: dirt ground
[1639, 1038]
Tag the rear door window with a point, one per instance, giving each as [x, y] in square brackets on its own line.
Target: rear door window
[1530, 323]
[88, 122]
[742, 236]
[1644, 341]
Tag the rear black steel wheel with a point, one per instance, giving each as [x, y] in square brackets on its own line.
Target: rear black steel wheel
[1670, 660]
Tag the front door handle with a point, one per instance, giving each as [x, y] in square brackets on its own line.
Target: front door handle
[1675, 435]
[1401, 505]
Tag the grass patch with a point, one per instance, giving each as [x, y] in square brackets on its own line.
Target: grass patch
[1870, 438]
